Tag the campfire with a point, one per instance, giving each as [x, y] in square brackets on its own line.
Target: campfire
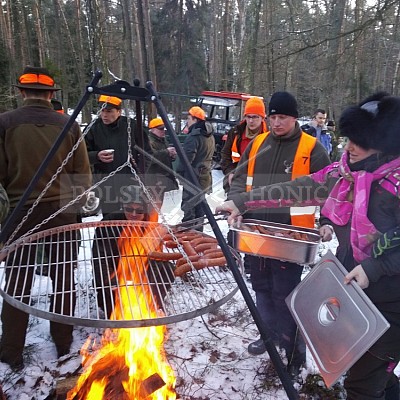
[128, 363]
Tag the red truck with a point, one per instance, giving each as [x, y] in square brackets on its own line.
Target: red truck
[224, 110]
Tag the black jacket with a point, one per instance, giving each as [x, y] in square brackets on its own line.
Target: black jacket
[115, 136]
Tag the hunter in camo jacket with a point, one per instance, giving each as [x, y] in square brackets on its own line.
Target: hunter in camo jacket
[4, 204]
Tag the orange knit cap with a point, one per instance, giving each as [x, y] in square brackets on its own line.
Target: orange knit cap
[155, 122]
[113, 102]
[198, 113]
[255, 105]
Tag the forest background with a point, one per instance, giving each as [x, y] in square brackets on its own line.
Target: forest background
[328, 53]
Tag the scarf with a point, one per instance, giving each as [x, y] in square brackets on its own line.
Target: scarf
[252, 134]
[348, 201]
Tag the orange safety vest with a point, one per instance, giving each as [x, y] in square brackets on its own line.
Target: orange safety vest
[235, 155]
[301, 166]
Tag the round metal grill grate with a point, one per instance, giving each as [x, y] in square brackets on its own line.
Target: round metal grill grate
[102, 274]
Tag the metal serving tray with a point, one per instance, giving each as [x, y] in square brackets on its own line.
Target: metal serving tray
[247, 239]
[338, 322]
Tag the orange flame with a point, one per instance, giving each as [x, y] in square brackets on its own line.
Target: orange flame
[127, 357]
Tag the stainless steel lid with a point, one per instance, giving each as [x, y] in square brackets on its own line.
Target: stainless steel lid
[338, 322]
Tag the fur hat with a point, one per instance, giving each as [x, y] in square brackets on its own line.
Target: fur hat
[374, 123]
[36, 78]
[198, 113]
[283, 103]
[110, 101]
[255, 105]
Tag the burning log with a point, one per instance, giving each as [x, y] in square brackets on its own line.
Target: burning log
[114, 389]
[150, 385]
[129, 364]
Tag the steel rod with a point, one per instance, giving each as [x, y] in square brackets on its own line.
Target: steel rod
[264, 330]
[5, 228]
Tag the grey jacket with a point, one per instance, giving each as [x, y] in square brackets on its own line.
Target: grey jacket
[199, 147]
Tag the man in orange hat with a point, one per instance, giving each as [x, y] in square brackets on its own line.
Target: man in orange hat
[161, 167]
[107, 144]
[237, 140]
[199, 148]
[240, 136]
[26, 136]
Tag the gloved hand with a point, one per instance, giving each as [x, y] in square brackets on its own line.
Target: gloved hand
[388, 240]
[92, 203]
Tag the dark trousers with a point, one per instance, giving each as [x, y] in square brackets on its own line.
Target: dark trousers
[20, 270]
[273, 281]
[372, 378]
[192, 207]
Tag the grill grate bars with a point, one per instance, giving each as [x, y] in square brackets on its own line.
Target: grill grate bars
[79, 274]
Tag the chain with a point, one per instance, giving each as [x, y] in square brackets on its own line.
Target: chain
[130, 162]
[53, 178]
[150, 197]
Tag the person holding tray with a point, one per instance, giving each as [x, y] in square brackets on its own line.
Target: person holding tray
[360, 198]
[282, 154]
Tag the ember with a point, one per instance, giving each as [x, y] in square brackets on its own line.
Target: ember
[129, 363]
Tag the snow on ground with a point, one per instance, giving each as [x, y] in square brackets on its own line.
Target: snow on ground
[208, 353]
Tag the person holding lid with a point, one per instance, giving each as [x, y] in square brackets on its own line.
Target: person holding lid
[360, 202]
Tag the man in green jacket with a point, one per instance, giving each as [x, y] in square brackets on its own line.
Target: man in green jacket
[161, 166]
[199, 148]
[279, 156]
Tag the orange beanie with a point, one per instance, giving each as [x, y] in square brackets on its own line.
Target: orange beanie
[255, 105]
[198, 113]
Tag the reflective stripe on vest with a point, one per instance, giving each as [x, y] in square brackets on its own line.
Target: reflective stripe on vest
[300, 216]
[235, 155]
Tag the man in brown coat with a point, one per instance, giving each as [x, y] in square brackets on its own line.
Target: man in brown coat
[26, 136]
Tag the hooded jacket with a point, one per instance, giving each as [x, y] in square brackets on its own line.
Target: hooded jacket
[199, 148]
